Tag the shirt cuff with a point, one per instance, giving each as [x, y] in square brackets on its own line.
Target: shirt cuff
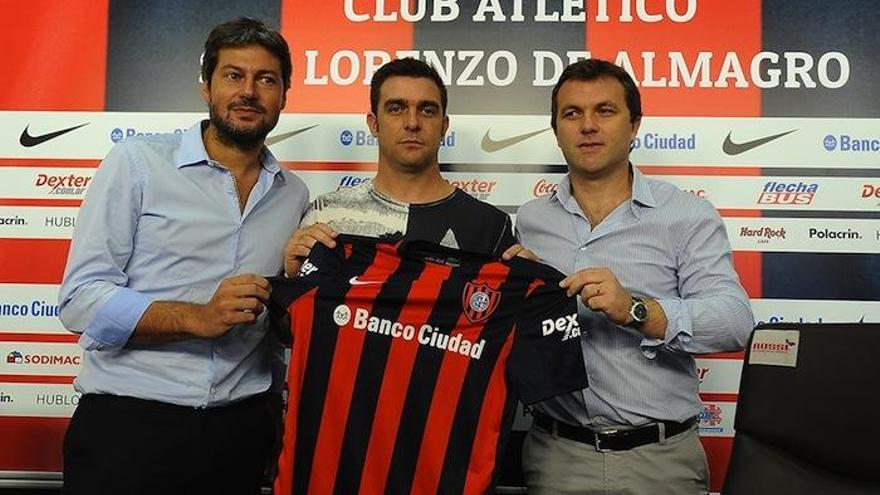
[115, 321]
[678, 328]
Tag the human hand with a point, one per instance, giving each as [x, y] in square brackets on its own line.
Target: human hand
[301, 242]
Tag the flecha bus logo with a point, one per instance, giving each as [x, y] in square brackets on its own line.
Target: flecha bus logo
[788, 193]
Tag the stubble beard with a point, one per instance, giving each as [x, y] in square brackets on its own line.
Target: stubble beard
[242, 138]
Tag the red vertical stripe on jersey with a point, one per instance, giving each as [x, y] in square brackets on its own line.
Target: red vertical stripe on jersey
[740, 23]
[33, 261]
[395, 381]
[343, 375]
[303, 320]
[322, 28]
[444, 402]
[56, 56]
[483, 461]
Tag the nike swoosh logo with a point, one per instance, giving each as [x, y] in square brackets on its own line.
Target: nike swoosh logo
[29, 141]
[355, 281]
[732, 148]
[490, 145]
[281, 137]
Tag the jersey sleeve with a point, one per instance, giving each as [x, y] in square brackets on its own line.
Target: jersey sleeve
[547, 359]
[322, 263]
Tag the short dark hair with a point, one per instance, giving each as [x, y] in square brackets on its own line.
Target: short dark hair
[592, 69]
[242, 32]
[406, 67]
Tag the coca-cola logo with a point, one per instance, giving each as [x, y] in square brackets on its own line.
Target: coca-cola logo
[543, 188]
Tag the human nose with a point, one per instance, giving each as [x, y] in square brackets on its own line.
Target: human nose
[588, 124]
[412, 120]
[249, 87]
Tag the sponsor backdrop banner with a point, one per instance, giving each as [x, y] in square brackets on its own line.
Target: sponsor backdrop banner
[775, 122]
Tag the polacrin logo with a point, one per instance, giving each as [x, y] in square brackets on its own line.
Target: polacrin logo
[14, 357]
[830, 143]
[346, 138]
[116, 135]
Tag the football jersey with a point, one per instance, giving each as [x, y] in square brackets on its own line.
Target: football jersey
[407, 361]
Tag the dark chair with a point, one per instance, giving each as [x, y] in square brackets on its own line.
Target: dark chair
[814, 427]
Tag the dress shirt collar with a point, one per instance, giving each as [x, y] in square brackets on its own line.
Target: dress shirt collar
[192, 151]
[641, 194]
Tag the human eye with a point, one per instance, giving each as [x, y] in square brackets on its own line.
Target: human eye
[232, 76]
[607, 110]
[268, 80]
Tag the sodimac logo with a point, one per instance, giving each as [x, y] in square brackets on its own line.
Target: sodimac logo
[16, 357]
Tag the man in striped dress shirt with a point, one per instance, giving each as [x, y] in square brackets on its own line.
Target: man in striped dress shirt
[652, 266]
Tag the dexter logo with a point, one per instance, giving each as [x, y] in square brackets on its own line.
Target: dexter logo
[568, 325]
[870, 191]
[63, 184]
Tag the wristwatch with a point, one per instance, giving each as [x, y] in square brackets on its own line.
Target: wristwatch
[638, 313]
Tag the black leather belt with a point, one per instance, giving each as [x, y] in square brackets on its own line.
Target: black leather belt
[612, 439]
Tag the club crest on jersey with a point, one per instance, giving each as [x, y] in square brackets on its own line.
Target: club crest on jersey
[479, 301]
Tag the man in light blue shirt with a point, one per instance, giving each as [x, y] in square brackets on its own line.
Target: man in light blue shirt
[652, 267]
[166, 285]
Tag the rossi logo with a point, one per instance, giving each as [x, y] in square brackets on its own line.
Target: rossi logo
[788, 193]
[543, 188]
[777, 347]
[568, 325]
[16, 357]
[774, 347]
[63, 184]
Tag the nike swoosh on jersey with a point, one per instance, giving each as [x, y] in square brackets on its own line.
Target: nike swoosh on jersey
[355, 281]
[490, 145]
[281, 137]
[29, 141]
[731, 148]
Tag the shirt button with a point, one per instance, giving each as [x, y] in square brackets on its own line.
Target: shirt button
[583, 248]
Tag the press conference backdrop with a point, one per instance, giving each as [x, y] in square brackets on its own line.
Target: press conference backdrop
[768, 109]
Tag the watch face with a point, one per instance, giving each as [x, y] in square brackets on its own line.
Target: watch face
[640, 312]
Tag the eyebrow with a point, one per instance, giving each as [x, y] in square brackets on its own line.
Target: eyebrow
[419, 104]
[241, 69]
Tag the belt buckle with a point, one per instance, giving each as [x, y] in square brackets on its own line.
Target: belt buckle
[597, 440]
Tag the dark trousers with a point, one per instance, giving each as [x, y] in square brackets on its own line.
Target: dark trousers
[121, 445]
